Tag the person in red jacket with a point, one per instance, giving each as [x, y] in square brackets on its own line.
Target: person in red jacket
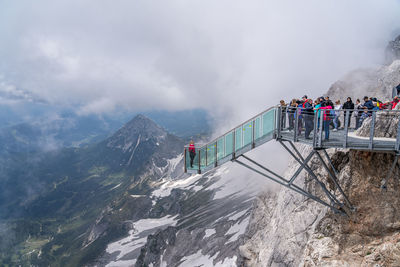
[192, 153]
[395, 102]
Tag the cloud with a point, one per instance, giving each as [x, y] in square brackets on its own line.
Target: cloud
[233, 58]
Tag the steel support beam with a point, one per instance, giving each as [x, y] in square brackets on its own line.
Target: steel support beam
[294, 188]
[264, 168]
[301, 167]
[334, 179]
[322, 185]
[330, 162]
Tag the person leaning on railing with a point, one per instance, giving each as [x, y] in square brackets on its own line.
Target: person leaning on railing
[364, 115]
[368, 103]
[376, 107]
[394, 102]
[396, 106]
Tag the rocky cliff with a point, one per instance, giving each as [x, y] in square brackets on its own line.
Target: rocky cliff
[287, 229]
[378, 83]
[393, 50]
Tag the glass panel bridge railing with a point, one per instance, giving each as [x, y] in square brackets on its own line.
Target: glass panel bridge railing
[239, 140]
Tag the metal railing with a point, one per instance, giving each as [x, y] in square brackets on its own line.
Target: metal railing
[358, 129]
[316, 128]
[246, 136]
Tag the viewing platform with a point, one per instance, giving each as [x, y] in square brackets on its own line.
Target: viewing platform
[287, 127]
[265, 127]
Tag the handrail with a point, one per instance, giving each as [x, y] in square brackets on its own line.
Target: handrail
[231, 130]
[239, 141]
[199, 146]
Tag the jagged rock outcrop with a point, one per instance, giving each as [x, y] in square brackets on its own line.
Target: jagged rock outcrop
[386, 124]
[393, 50]
[291, 231]
[378, 83]
[281, 224]
[371, 235]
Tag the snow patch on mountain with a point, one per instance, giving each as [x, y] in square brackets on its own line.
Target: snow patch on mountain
[166, 188]
[172, 163]
[136, 238]
[233, 182]
[171, 166]
[237, 215]
[127, 263]
[127, 146]
[238, 229]
[133, 152]
[198, 259]
[115, 187]
[209, 232]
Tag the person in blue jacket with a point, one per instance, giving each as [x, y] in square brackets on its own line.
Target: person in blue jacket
[368, 103]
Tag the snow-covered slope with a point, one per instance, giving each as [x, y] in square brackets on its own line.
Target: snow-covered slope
[202, 221]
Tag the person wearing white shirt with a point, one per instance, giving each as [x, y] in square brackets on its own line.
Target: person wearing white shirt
[337, 109]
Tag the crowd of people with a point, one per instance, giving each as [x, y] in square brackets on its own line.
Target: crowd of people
[305, 109]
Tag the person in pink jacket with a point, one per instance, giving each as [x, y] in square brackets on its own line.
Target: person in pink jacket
[327, 106]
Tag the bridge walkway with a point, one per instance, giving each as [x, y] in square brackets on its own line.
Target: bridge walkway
[274, 124]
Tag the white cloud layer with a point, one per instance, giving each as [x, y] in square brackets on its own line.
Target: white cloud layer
[233, 58]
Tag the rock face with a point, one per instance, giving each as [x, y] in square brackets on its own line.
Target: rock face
[288, 230]
[393, 50]
[386, 125]
[378, 83]
[280, 225]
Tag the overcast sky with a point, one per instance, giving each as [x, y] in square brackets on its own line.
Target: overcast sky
[233, 58]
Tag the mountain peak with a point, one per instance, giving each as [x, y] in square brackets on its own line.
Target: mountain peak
[137, 130]
[141, 117]
[144, 125]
